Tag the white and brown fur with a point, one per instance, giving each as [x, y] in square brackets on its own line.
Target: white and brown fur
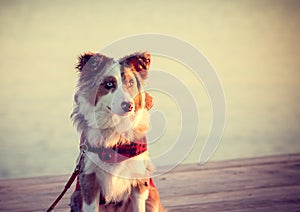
[104, 84]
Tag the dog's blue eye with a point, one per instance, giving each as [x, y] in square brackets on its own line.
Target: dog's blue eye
[109, 85]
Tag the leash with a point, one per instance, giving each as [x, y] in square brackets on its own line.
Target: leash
[68, 184]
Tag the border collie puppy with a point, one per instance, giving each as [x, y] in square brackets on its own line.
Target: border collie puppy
[111, 116]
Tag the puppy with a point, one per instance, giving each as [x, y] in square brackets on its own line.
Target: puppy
[111, 115]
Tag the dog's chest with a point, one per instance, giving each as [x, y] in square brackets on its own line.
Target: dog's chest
[113, 188]
[116, 180]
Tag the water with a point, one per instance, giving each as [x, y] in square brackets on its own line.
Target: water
[253, 46]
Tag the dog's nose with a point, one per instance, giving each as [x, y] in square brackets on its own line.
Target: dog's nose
[127, 106]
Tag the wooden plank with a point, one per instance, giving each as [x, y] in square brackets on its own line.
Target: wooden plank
[248, 198]
[278, 159]
[260, 184]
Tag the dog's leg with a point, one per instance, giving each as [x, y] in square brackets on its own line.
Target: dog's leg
[90, 192]
[139, 201]
[153, 201]
[91, 207]
[76, 202]
[139, 196]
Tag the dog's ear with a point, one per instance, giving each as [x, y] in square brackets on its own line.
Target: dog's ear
[83, 59]
[90, 61]
[140, 62]
[148, 101]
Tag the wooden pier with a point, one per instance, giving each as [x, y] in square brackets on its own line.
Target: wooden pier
[258, 184]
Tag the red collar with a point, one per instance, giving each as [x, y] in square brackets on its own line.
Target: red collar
[118, 153]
